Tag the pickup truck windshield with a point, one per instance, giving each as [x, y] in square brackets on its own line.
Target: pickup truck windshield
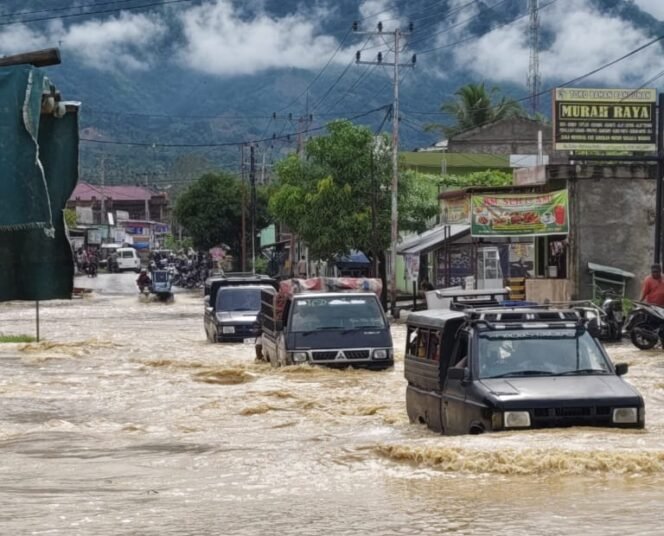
[332, 313]
[513, 353]
[238, 299]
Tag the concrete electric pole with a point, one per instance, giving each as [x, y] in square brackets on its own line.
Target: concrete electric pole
[396, 35]
[534, 80]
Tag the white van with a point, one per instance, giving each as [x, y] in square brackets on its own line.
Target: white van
[128, 260]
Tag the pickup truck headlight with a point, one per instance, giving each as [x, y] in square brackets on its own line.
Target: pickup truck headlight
[300, 357]
[625, 415]
[228, 329]
[517, 419]
[381, 354]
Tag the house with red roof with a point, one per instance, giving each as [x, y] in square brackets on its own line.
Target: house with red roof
[131, 202]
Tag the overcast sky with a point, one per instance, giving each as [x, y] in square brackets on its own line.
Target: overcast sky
[220, 39]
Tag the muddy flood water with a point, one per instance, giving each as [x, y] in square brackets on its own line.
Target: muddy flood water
[125, 420]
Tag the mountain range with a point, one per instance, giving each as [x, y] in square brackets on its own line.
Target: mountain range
[172, 88]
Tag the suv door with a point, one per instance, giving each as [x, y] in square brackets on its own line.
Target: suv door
[455, 409]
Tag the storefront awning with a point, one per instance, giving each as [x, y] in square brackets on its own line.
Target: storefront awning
[592, 267]
[432, 238]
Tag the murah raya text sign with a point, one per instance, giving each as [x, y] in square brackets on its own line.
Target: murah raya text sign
[604, 119]
[520, 214]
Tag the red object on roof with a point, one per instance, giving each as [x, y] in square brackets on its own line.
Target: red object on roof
[85, 192]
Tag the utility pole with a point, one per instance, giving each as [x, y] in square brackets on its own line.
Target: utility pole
[103, 192]
[534, 80]
[243, 250]
[304, 122]
[397, 35]
[252, 179]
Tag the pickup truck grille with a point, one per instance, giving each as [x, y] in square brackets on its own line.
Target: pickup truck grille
[331, 355]
[572, 416]
[324, 356]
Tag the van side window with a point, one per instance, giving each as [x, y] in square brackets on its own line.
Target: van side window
[422, 342]
[460, 357]
[417, 342]
[434, 346]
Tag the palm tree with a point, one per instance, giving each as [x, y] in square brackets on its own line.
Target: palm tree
[474, 106]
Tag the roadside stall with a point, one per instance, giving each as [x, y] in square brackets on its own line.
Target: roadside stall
[518, 236]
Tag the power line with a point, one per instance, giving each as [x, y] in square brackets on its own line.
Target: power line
[100, 12]
[68, 8]
[223, 144]
[313, 81]
[461, 41]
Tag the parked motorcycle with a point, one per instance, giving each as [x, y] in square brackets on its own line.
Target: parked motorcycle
[605, 321]
[645, 325]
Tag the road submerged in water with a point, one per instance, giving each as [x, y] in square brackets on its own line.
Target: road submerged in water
[125, 420]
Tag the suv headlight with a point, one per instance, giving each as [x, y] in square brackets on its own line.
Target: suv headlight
[300, 357]
[381, 354]
[625, 415]
[228, 329]
[517, 419]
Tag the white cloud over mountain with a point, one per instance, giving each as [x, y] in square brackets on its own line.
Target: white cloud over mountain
[220, 37]
[583, 39]
[219, 40]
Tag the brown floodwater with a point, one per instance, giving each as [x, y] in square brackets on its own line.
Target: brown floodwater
[125, 420]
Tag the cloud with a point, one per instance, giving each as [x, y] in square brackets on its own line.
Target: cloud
[583, 39]
[19, 38]
[122, 41]
[654, 7]
[220, 40]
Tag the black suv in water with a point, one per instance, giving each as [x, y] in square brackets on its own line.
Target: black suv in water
[479, 370]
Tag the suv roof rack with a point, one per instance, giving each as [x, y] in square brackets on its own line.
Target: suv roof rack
[522, 317]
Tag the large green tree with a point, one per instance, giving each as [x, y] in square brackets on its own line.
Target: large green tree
[211, 211]
[338, 197]
[476, 105]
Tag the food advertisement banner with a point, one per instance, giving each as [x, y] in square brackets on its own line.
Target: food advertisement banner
[520, 215]
[456, 210]
[604, 119]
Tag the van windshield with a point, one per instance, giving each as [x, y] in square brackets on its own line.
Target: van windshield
[337, 313]
[238, 299]
[529, 352]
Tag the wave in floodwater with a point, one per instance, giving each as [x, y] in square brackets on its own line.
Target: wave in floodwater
[225, 376]
[74, 349]
[527, 461]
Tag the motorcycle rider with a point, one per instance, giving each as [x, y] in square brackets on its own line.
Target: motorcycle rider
[143, 281]
[653, 287]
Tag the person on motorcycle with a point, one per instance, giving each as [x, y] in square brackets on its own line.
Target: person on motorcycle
[143, 281]
[653, 287]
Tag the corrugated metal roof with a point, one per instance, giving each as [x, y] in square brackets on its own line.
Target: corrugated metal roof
[431, 238]
[85, 192]
[455, 160]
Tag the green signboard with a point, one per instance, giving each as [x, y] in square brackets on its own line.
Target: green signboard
[520, 215]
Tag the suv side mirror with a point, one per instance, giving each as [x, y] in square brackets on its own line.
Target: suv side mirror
[621, 369]
[458, 373]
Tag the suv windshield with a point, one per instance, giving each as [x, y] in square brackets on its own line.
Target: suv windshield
[539, 352]
[238, 299]
[338, 312]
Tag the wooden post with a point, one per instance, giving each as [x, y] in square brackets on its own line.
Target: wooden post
[37, 58]
[37, 317]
